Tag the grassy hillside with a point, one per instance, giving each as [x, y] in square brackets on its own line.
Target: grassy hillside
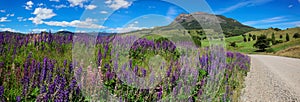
[290, 52]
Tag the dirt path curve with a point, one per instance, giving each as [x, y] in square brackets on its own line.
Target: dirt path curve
[272, 79]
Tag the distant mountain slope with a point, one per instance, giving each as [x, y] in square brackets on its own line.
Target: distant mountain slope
[230, 27]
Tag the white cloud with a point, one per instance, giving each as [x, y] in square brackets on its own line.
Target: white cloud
[29, 5]
[2, 11]
[290, 6]
[41, 4]
[38, 30]
[87, 23]
[126, 29]
[4, 19]
[90, 7]
[130, 27]
[10, 15]
[60, 6]
[242, 4]
[292, 23]
[103, 12]
[54, 0]
[117, 4]
[264, 21]
[20, 19]
[77, 2]
[42, 14]
[8, 29]
[2, 25]
[62, 30]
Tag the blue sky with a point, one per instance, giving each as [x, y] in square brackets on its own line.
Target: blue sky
[127, 15]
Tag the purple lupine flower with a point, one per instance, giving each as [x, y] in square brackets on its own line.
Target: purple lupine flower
[18, 98]
[70, 68]
[78, 73]
[43, 89]
[136, 69]
[159, 95]
[230, 54]
[73, 83]
[130, 63]
[144, 72]
[1, 90]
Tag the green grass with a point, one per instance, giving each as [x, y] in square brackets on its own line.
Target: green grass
[282, 46]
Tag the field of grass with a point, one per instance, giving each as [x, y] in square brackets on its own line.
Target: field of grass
[241, 46]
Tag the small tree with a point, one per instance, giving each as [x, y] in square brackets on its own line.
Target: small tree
[273, 39]
[262, 43]
[287, 37]
[250, 35]
[249, 39]
[280, 36]
[233, 44]
[296, 35]
[253, 37]
[245, 39]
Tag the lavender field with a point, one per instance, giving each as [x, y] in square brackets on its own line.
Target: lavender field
[52, 67]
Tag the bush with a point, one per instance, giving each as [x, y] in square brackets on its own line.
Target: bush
[233, 44]
[280, 37]
[270, 50]
[253, 37]
[296, 35]
[245, 39]
[278, 41]
[287, 37]
[262, 43]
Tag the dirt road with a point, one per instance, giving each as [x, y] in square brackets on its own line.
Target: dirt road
[272, 79]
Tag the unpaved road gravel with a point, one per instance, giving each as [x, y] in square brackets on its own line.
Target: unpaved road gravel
[272, 79]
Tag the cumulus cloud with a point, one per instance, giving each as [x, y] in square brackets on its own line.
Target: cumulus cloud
[38, 30]
[87, 23]
[42, 14]
[2, 11]
[8, 29]
[103, 12]
[90, 7]
[77, 2]
[4, 19]
[126, 29]
[29, 5]
[131, 27]
[117, 4]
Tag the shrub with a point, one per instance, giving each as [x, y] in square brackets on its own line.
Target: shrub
[287, 37]
[296, 35]
[270, 50]
[262, 43]
[233, 44]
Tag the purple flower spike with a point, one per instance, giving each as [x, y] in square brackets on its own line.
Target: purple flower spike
[18, 98]
[1, 90]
